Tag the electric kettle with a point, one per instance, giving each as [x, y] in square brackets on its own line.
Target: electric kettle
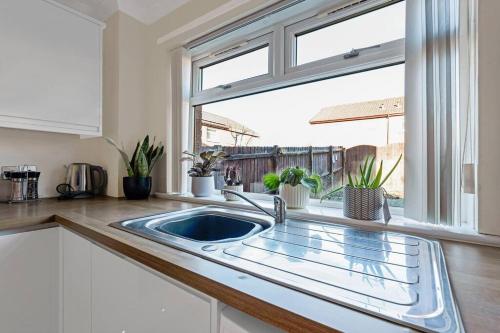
[83, 180]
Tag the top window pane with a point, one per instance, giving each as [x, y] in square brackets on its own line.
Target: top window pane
[242, 67]
[377, 27]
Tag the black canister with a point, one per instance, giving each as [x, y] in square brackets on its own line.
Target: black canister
[32, 188]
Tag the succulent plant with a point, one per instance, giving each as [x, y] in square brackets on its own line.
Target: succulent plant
[232, 176]
[143, 159]
[293, 177]
[365, 179]
[204, 163]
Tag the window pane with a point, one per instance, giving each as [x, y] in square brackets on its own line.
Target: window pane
[370, 29]
[362, 114]
[245, 66]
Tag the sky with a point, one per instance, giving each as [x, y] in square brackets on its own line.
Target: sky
[281, 117]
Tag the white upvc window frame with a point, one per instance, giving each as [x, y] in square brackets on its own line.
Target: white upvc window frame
[282, 71]
[330, 17]
[228, 52]
[282, 74]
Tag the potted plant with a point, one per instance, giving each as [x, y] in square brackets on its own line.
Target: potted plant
[364, 195]
[138, 183]
[233, 183]
[202, 171]
[294, 185]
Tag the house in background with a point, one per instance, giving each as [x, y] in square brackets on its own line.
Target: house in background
[390, 109]
[221, 131]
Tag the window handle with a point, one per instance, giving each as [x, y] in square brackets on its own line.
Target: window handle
[224, 86]
[228, 50]
[355, 52]
[339, 8]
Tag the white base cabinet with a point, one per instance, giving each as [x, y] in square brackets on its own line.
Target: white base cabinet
[76, 283]
[29, 282]
[54, 280]
[105, 293]
[129, 299]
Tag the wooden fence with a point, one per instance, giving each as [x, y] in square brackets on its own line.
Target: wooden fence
[255, 162]
[332, 163]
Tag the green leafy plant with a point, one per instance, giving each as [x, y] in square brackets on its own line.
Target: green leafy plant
[143, 159]
[204, 163]
[368, 177]
[293, 177]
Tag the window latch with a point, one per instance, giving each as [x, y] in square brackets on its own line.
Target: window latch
[224, 86]
[355, 52]
[228, 50]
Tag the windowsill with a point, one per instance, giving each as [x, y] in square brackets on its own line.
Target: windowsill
[335, 215]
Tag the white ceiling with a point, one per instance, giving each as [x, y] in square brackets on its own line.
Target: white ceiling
[146, 11]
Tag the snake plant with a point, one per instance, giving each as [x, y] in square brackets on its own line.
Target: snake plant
[293, 176]
[143, 159]
[366, 178]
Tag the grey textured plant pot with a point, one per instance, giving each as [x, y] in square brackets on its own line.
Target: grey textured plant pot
[363, 203]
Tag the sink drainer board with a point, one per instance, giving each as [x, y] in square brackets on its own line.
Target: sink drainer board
[394, 276]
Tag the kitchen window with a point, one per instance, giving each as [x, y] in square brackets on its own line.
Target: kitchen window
[294, 72]
[328, 125]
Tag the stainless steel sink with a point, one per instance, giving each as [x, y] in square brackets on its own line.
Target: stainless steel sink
[195, 227]
[398, 277]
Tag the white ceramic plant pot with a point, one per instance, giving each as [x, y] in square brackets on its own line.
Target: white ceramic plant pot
[202, 186]
[236, 188]
[295, 196]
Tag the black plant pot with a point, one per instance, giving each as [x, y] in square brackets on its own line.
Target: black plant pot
[136, 188]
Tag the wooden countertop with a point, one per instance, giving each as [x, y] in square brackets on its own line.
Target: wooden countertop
[474, 270]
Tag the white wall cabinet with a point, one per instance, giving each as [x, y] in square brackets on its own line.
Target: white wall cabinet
[29, 282]
[50, 68]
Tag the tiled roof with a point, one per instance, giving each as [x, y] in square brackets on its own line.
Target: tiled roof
[382, 108]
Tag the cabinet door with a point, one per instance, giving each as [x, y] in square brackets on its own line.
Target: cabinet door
[76, 283]
[115, 285]
[167, 308]
[127, 298]
[29, 282]
[50, 68]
